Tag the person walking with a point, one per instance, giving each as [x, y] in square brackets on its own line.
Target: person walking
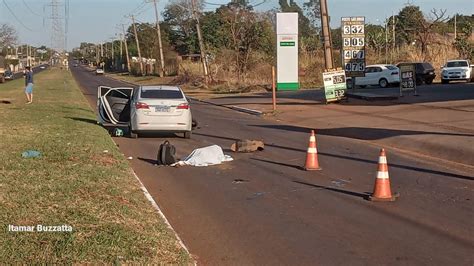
[29, 84]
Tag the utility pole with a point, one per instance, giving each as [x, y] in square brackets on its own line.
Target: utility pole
[126, 48]
[201, 43]
[121, 46]
[113, 57]
[160, 46]
[326, 34]
[97, 55]
[386, 42]
[455, 27]
[393, 37]
[138, 46]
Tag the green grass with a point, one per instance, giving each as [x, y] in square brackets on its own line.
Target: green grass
[74, 182]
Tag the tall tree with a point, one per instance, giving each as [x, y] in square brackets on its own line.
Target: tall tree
[179, 26]
[428, 28]
[408, 21]
[8, 35]
[246, 32]
[463, 45]
[305, 27]
[312, 9]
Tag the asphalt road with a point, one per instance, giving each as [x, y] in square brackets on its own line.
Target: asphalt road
[36, 69]
[261, 209]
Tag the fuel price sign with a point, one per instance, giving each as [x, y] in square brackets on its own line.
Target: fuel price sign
[353, 45]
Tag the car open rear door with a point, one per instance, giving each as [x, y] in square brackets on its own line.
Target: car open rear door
[113, 105]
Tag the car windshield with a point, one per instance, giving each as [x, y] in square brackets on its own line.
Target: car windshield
[391, 67]
[428, 66]
[457, 64]
[161, 94]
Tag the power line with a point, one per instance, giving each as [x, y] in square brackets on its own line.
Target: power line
[13, 14]
[136, 9]
[250, 5]
[28, 7]
[212, 4]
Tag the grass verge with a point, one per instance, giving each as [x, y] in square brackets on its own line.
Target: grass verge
[73, 183]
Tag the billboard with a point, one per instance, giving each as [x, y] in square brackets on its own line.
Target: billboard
[287, 51]
[334, 85]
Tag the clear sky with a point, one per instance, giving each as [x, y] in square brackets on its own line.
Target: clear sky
[97, 20]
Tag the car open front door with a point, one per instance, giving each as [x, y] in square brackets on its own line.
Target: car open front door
[113, 105]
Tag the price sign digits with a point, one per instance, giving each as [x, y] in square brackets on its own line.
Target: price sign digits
[339, 93]
[357, 29]
[339, 79]
[353, 42]
[347, 29]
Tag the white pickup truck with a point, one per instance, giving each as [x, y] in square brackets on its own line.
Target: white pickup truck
[457, 70]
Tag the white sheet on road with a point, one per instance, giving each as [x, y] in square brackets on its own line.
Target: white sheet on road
[210, 155]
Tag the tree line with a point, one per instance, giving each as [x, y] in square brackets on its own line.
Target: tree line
[238, 37]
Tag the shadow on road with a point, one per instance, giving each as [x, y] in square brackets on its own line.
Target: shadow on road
[361, 133]
[278, 163]
[347, 192]
[82, 119]
[374, 162]
[147, 160]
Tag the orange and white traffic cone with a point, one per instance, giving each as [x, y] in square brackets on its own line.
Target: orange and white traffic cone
[312, 162]
[382, 191]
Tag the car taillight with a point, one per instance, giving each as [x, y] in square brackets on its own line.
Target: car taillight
[140, 105]
[395, 73]
[183, 106]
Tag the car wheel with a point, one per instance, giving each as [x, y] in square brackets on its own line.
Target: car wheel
[383, 83]
[444, 81]
[187, 134]
[362, 86]
[428, 81]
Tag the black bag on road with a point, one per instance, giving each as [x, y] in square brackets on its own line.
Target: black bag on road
[166, 154]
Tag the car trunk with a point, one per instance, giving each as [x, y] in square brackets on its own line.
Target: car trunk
[163, 107]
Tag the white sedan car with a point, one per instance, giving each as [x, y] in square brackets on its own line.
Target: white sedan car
[99, 71]
[379, 75]
[145, 109]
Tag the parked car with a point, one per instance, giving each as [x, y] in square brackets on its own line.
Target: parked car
[381, 75]
[9, 75]
[99, 71]
[456, 70]
[425, 72]
[145, 109]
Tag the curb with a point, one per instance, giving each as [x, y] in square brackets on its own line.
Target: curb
[246, 110]
[370, 96]
[234, 107]
[108, 76]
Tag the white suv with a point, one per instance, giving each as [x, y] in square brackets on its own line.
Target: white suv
[456, 70]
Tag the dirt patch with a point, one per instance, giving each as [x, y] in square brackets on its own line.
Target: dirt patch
[104, 159]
